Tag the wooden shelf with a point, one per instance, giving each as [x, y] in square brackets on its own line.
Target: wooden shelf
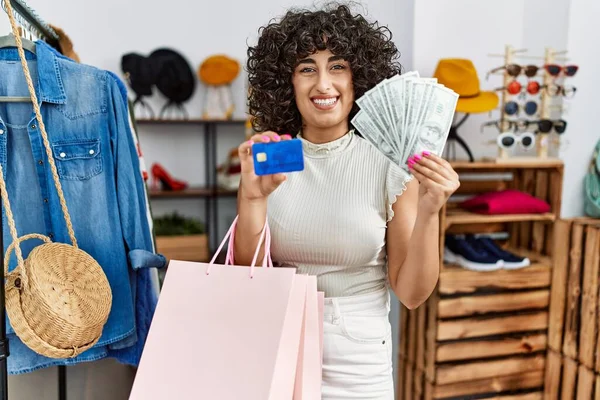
[193, 193]
[195, 121]
[455, 279]
[457, 216]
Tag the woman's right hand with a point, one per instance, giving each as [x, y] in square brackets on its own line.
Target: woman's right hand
[254, 187]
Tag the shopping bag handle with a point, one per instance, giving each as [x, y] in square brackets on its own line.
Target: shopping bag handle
[265, 235]
[267, 261]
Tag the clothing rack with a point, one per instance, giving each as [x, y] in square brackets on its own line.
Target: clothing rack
[31, 22]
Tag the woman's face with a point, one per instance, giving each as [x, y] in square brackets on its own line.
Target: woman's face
[323, 90]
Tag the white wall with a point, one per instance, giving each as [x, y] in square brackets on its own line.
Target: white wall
[102, 32]
[584, 129]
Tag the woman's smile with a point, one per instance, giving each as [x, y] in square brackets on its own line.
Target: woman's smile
[325, 103]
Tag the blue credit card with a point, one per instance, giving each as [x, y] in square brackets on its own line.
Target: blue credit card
[277, 157]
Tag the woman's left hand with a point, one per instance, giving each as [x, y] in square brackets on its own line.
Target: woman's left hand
[437, 180]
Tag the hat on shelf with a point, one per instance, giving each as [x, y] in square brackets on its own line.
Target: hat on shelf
[175, 79]
[218, 70]
[140, 72]
[460, 75]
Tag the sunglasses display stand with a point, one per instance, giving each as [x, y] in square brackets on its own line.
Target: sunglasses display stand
[542, 140]
[509, 52]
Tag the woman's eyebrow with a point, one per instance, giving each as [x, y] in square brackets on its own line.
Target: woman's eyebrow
[307, 61]
[312, 61]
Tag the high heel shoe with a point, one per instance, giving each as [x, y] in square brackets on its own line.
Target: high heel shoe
[159, 174]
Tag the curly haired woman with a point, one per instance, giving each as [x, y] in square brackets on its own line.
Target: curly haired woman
[351, 217]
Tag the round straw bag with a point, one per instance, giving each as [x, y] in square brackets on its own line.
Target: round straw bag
[59, 298]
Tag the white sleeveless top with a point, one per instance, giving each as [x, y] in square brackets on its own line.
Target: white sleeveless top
[330, 219]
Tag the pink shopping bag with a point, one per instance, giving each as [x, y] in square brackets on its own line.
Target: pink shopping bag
[321, 304]
[224, 332]
[308, 370]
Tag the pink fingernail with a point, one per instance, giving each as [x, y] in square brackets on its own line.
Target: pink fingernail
[426, 153]
[417, 157]
[250, 142]
[276, 138]
[266, 138]
[410, 160]
[410, 165]
[286, 136]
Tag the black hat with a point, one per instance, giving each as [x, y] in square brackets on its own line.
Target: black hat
[141, 73]
[175, 79]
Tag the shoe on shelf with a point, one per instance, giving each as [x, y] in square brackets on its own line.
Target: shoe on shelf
[459, 251]
[159, 174]
[229, 173]
[510, 260]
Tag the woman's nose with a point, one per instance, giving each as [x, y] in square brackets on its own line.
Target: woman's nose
[324, 82]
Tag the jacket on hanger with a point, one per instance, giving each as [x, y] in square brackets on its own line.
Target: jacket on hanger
[85, 113]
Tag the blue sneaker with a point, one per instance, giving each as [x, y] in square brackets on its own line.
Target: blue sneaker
[510, 260]
[459, 251]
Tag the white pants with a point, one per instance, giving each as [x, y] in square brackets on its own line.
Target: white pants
[357, 348]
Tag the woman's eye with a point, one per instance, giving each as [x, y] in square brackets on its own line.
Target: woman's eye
[338, 66]
[307, 69]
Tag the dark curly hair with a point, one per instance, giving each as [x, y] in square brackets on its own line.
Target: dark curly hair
[366, 46]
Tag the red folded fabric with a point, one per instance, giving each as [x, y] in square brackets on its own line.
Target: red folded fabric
[506, 202]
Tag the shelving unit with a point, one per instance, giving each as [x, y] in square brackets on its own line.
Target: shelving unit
[210, 192]
[485, 334]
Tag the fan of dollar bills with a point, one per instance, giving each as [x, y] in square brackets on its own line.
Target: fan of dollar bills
[405, 115]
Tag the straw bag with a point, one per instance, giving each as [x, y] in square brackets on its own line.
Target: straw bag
[59, 298]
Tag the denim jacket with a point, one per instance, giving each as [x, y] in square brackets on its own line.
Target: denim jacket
[85, 113]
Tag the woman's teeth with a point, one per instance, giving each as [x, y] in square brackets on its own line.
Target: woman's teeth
[325, 102]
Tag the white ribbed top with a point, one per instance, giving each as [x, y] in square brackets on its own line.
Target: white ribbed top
[330, 219]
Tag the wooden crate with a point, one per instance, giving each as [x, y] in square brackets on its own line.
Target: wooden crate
[484, 334]
[184, 248]
[574, 331]
[567, 379]
[574, 309]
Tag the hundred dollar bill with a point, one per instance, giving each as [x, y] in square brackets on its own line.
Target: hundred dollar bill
[423, 92]
[394, 88]
[369, 130]
[373, 105]
[432, 133]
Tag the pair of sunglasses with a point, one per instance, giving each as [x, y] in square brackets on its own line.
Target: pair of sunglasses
[508, 140]
[512, 108]
[518, 125]
[546, 125]
[556, 70]
[515, 87]
[558, 90]
[515, 70]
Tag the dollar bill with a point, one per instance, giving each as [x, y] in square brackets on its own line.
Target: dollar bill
[395, 89]
[422, 95]
[432, 133]
[377, 122]
[371, 104]
[363, 122]
[405, 115]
